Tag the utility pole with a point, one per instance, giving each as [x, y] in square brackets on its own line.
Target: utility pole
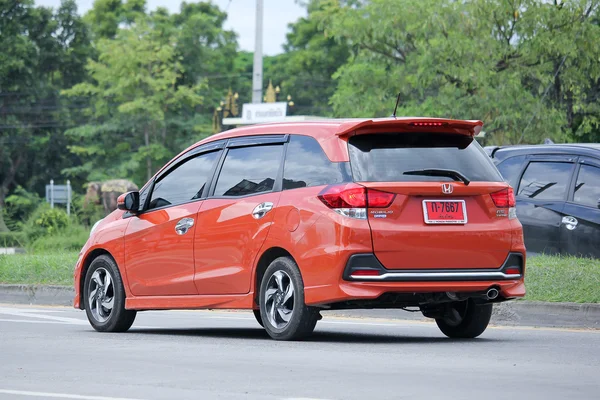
[257, 71]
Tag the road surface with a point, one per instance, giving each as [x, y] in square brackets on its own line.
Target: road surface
[52, 352]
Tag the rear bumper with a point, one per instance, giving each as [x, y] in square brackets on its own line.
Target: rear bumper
[367, 268]
[347, 288]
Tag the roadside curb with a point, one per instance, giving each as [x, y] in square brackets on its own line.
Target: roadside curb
[48, 295]
[512, 313]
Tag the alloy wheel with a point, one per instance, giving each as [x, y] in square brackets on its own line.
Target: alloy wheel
[279, 297]
[101, 295]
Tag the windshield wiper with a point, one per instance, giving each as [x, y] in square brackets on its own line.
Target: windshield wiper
[450, 173]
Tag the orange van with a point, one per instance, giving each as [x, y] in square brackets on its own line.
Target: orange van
[289, 219]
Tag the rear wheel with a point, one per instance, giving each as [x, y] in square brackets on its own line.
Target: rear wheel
[285, 315]
[104, 297]
[465, 319]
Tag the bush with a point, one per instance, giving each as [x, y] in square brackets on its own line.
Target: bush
[45, 221]
[18, 207]
[13, 239]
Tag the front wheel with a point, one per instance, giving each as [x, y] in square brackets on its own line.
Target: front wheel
[104, 297]
[284, 314]
[465, 319]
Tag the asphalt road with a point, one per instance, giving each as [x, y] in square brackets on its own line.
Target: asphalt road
[54, 353]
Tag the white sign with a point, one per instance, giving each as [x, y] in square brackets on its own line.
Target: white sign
[263, 112]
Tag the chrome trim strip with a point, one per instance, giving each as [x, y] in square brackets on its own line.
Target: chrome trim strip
[439, 275]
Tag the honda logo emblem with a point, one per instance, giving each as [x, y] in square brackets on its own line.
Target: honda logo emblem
[447, 188]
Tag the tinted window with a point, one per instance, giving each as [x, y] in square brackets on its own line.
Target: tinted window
[249, 170]
[510, 167]
[185, 182]
[385, 157]
[307, 165]
[545, 180]
[587, 188]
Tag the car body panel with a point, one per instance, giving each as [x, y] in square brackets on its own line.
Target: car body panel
[402, 238]
[228, 239]
[170, 268]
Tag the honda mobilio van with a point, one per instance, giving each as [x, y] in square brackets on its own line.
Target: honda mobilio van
[290, 219]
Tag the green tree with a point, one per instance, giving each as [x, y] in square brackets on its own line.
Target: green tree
[106, 16]
[310, 60]
[483, 59]
[133, 92]
[38, 57]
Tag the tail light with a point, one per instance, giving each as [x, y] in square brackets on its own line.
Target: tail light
[351, 200]
[505, 198]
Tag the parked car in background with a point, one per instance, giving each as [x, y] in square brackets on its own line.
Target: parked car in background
[558, 195]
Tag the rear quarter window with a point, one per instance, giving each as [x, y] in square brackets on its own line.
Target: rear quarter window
[385, 157]
[307, 165]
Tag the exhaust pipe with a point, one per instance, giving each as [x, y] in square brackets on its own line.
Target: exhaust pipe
[492, 293]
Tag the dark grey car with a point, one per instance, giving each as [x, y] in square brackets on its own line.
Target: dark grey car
[558, 195]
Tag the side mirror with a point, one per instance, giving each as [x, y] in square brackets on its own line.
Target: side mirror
[129, 201]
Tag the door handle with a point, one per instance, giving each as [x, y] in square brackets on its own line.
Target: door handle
[570, 222]
[184, 225]
[262, 209]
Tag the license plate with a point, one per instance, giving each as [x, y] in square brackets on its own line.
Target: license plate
[445, 211]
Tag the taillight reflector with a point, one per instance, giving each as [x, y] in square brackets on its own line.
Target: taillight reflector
[505, 198]
[365, 272]
[513, 271]
[344, 196]
[352, 200]
[379, 199]
[354, 196]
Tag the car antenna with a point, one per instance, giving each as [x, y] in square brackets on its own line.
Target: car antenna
[396, 108]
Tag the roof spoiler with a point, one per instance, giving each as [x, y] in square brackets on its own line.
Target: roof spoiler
[461, 127]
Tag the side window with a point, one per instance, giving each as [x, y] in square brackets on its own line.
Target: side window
[510, 167]
[307, 165]
[545, 180]
[186, 182]
[249, 170]
[587, 187]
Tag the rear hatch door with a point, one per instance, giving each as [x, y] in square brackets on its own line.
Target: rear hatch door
[443, 215]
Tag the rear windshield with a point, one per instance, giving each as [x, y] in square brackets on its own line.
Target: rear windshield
[385, 157]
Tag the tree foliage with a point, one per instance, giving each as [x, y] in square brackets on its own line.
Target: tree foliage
[527, 68]
[133, 92]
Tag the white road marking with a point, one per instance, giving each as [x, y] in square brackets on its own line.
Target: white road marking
[25, 313]
[302, 398]
[29, 321]
[59, 395]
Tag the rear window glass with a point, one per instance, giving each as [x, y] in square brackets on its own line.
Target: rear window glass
[386, 157]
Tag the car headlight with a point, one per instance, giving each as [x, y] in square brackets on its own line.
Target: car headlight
[94, 227]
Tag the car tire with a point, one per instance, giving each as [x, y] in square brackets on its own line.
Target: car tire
[285, 315]
[258, 317]
[104, 297]
[465, 319]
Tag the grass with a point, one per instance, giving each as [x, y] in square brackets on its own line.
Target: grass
[43, 269]
[568, 279]
[556, 279]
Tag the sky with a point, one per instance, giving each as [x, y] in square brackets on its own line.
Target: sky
[241, 18]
